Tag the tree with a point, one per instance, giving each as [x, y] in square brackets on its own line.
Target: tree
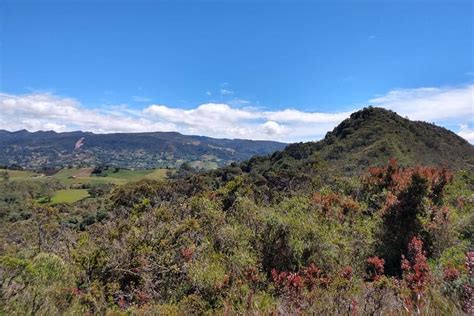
[408, 196]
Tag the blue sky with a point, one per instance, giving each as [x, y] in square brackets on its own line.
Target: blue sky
[255, 69]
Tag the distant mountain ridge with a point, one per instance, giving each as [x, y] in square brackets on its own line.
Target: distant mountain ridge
[49, 149]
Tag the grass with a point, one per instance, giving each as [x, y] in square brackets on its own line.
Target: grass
[157, 174]
[69, 196]
[75, 176]
[123, 176]
[68, 176]
[19, 174]
[84, 176]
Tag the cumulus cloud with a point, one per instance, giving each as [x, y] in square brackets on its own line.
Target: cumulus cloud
[226, 92]
[49, 112]
[430, 104]
[273, 128]
[291, 115]
[467, 133]
[222, 120]
[43, 111]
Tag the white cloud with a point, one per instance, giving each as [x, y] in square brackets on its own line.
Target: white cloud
[430, 104]
[45, 111]
[291, 115]
[273, 128]
[50, 112]
[222, 120]
[138, 98]
[467, 133]
[443, 106]
[226, 92]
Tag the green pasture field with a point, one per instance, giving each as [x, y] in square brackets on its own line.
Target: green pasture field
[77, 176]
[84, 176]
[69, 196]
[20, 174]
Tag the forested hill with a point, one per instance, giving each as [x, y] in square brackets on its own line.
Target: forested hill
[129, 150]
[371, 137]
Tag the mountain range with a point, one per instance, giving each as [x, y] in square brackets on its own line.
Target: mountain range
[48, 149]
[368, 137]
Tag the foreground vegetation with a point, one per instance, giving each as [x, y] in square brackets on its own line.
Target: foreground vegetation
[391, 241]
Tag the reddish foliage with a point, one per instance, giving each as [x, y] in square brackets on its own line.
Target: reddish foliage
[313, 277]
[224, 283]
[326, 201]
[349, 205]
[187, 253]
[122, 302]
[405, 194]
[397, 179]
[416, 272]
[450, 274]
[334, 205]
[288, 281]
[347, 273]
[308, 277]
[354, 307]
[72, 290]
[390, 201]
[143, 297]
[376, 268]
[251, 274]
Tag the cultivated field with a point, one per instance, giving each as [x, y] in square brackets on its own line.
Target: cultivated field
[76, 181]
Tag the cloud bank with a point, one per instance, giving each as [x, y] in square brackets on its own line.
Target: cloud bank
[44, 111]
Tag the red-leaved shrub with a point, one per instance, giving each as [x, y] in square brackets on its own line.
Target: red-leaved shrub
[416, 272]
[375, 268]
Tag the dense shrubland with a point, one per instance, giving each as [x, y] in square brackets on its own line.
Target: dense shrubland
[256, 238]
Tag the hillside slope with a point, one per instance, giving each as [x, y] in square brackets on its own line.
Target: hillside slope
[129, 150]
[371, 137]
